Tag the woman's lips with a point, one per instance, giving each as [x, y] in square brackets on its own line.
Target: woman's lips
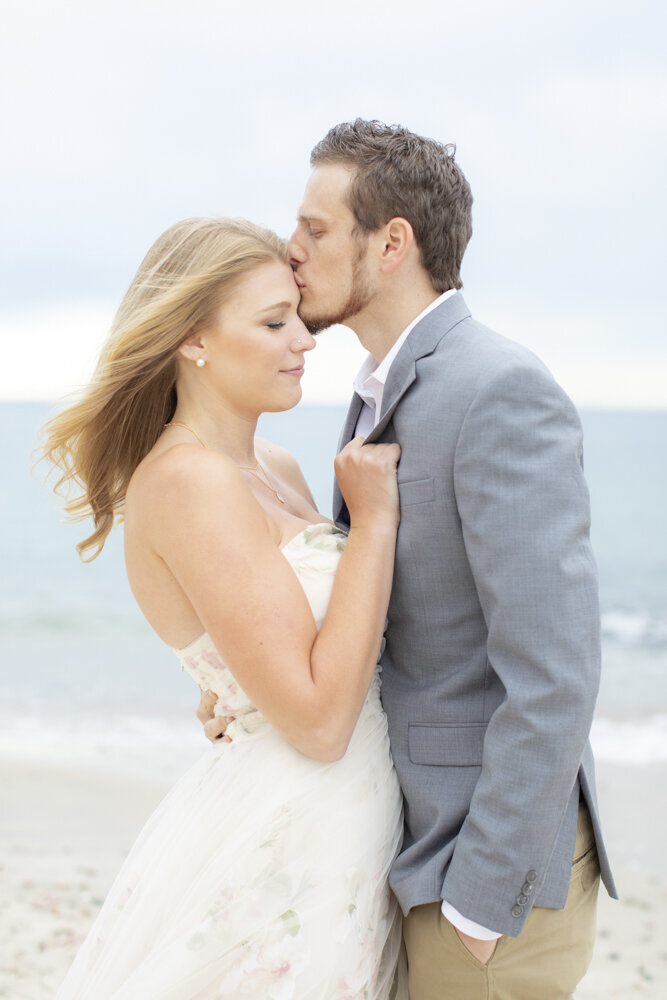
[294, 371]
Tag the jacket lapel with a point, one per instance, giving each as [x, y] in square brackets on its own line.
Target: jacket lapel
[401, 375]
[340, 514]
[421, 341]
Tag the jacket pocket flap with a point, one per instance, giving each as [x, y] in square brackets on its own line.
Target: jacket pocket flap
[447, 745]
[416, 491]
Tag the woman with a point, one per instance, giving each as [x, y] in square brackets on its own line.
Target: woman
[263, 873]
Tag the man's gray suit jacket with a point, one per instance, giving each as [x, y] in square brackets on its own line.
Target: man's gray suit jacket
[491, 665]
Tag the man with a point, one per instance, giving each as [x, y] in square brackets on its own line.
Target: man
[491, 666]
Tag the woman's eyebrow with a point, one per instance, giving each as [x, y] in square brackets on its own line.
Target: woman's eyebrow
[278, 305]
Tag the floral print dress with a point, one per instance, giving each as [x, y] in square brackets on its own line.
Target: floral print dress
[262, 874]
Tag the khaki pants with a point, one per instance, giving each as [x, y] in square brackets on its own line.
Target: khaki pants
[545, 962]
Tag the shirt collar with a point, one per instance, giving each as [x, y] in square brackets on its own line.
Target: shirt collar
[371, 374]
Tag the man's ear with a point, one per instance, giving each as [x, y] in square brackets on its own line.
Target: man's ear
[398, 241]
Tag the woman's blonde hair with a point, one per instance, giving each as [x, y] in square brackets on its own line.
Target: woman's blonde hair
[97, 443]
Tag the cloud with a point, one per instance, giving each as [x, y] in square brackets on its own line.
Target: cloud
[128, 116]
[51, 352]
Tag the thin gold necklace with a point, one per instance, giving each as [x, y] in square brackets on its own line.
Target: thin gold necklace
[181, 423]
[263, 478]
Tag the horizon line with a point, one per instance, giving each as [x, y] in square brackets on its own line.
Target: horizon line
[583, 407]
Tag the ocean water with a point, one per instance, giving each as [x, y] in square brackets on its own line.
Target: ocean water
[80, 668]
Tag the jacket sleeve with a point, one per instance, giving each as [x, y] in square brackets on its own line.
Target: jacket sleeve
[525, 516]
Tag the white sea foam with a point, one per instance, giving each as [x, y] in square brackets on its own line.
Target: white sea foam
[162, 748]
[631, 741]
[150, 748]
[634, 628]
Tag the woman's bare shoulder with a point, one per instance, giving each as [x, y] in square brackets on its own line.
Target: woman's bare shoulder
[182, 466]
[186, 488]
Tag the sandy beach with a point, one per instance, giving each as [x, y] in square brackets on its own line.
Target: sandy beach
[66, 827]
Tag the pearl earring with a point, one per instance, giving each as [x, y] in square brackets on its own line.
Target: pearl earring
[200, 362]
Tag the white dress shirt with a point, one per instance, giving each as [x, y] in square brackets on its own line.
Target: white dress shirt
[369, 384]
[371, 377]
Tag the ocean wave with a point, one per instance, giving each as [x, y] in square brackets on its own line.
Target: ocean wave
[634, 628]
[164, 746]
[630, 741]
[48, 615]
[159, 748]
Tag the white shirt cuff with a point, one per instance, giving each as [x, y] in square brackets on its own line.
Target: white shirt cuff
[468, 927]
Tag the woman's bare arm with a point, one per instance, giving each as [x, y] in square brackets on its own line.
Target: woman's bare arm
[216, 540]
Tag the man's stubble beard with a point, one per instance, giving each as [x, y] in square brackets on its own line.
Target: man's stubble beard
[359, 297]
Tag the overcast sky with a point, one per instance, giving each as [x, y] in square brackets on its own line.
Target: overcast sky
[120, 118]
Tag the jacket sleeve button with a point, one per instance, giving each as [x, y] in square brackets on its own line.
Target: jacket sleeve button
[527, 888]
[517, 911]
[531, 876]
[522, 899]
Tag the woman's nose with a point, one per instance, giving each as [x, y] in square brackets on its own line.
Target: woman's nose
[304, 341]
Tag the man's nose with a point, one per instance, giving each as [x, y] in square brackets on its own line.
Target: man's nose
[296, 253]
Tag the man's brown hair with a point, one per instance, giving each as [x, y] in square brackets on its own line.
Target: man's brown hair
[399, 173]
